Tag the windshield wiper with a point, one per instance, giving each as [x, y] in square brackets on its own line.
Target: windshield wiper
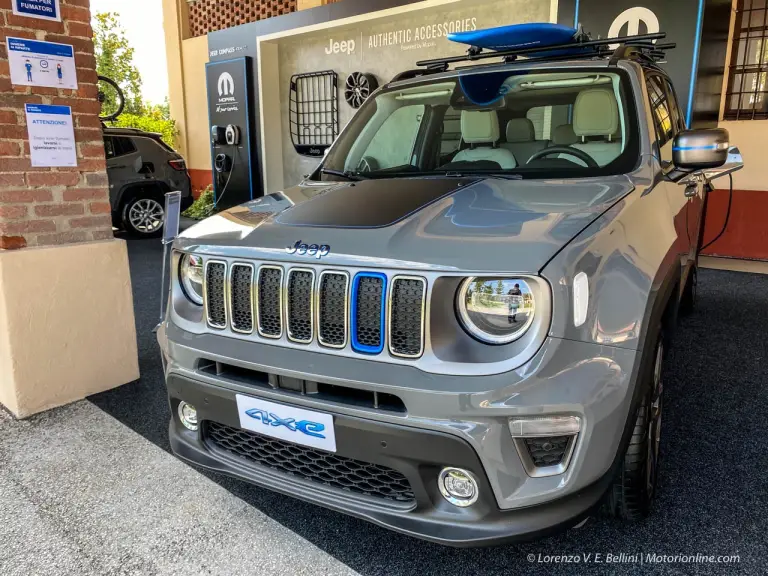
[468, 174]
[347, 174]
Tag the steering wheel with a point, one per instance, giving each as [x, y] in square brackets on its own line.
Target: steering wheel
[580, 154]
[367, 164]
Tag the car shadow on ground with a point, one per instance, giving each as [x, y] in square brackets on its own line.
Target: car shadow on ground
[713, 487]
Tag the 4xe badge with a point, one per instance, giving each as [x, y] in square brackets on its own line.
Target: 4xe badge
[318, 251]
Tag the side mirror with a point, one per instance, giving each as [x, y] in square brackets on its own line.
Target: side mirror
[704, 152]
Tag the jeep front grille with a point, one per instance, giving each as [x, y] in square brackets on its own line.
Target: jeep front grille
[329, 307]
[269, 301]
[241, 301]
[311, 464]
[406, 316]
[301, 285]
[215, 302]
[332, 309]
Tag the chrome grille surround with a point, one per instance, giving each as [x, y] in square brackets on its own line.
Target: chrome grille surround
[324, 309]
[273, 314]
[214, 293]
[401, 338]
[300, 323]
[241, 313]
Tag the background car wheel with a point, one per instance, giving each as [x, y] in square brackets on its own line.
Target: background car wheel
[143, 216]
[633, 489]
[688, 300]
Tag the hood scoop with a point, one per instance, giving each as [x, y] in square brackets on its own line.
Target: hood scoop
[371, 203]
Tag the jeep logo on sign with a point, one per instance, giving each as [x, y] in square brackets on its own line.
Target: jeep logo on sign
[318, 251]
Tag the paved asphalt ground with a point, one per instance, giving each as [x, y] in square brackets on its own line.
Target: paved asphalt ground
[714, 487]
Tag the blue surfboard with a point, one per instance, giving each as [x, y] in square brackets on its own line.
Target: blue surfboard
[517, 36]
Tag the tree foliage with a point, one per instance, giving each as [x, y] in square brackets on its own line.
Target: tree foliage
[114, 59]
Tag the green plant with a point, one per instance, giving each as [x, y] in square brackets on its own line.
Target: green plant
[150, 121]
[114, 59]
[202, 207]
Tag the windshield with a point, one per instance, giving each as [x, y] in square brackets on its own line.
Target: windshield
[516, 124]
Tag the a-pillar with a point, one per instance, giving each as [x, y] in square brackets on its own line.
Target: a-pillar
[66, 312]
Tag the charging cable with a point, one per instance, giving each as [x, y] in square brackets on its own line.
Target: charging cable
[727, 215]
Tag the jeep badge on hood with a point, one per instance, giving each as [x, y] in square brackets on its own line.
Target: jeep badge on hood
[318, 251]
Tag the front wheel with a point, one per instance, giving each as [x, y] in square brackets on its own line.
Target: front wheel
[633, 489]
[143, 216]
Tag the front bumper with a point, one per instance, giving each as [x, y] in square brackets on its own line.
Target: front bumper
[418, 454]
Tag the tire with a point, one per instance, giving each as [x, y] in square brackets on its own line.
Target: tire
[631, 495]
[688, 299]
[143, 216]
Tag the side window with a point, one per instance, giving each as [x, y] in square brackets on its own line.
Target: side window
[450, 139]
[122, 146]
[109, 147]
[393, 143]
[674, 106]
[660, 108]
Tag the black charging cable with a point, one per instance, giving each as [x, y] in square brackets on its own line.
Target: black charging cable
[224, 189]
[727, 215]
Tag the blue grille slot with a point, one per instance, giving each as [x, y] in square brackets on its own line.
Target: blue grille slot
[368, 310]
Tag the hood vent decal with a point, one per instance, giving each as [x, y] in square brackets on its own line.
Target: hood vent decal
[371, 203]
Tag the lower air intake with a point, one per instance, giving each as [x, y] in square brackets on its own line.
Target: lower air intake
[311, 464]
[547, 451]
[216, 309]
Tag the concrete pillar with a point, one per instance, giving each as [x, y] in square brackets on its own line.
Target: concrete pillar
[66, 311]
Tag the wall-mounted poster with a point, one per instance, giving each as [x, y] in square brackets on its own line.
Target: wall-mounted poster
[37, 63]
[51, 135]
[43, 9]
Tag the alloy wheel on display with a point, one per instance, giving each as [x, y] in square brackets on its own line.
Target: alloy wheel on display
[146, 215]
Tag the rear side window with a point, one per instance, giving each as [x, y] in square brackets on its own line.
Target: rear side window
[660, 107]
[118, 146]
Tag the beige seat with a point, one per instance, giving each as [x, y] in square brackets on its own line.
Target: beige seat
[521, 139]
[595, 124]
[480, 129]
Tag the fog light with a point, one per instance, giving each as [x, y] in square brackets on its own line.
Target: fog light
[458, 486]
[188, 415]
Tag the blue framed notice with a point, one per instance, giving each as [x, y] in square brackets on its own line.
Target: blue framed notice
[43, 9]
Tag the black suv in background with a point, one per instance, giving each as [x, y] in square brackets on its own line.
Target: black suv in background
[141, 168]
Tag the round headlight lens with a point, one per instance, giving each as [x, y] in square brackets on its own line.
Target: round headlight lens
[191, 275]
[495, 310]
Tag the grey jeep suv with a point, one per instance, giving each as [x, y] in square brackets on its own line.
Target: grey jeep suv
[442, 331]
[141, 168]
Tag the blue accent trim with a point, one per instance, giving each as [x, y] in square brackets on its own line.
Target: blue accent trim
[683, 148]
[576, 15]
[214, 174]
[356, 346]
[694, 64]
[40, 47]
[48, 109]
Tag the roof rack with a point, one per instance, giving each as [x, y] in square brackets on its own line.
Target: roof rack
[640, 45]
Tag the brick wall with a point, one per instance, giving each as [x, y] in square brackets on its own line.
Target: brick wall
[209, 15]
[44, 206]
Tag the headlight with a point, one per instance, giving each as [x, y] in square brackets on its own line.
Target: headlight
[191, 277]
[495, 310]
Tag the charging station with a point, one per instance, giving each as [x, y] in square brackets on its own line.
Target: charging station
[229, 116]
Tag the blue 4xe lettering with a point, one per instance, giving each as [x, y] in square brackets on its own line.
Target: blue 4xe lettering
[271, 419]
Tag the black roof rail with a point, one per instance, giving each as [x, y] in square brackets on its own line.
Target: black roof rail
[644, 51]
[599, 48]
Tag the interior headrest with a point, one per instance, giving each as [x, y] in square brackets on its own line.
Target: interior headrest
[595, 113]
[520, 130]
[564, 135]
[479, 126]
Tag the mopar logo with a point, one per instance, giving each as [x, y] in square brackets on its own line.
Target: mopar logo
[318, 251]
[226, 84]
[271, 419]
